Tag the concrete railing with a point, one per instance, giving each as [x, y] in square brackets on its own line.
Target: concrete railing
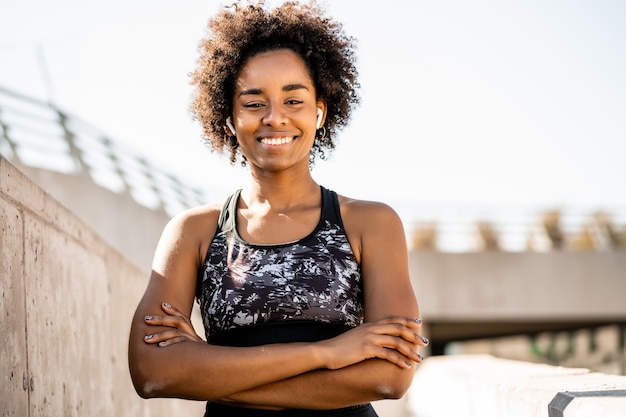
[66, 302]
[466, 296]
[484, 386]
[126, 225]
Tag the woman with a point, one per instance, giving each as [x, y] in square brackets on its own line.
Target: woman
[305, 294]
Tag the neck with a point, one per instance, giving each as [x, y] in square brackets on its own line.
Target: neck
[281, 192]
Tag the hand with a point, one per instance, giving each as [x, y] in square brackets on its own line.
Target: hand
[182, 329]
[395, 339]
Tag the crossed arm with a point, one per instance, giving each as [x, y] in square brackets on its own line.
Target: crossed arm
[371, 362]
[336, 366]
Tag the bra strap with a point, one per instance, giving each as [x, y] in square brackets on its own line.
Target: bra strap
[226, 221]
[331, 209]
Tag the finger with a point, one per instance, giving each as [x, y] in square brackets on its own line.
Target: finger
[186, 320]
[159, 337]
[404, 348]
[396, 326]
[168, 321]
[393, 356]
[406, 321]
[399, 330]
[171, 310]
[404, 355]
[173, 341]
[408, 334]
[180, 325]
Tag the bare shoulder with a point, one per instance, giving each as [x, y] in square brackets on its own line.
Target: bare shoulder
[371, 224]
[190, 231]
[197, 218]
[366, 214]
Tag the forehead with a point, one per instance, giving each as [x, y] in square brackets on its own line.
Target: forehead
[273, 66]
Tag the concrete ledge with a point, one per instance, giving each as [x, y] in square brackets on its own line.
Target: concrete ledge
[610, 403]
[66, 302]
[481, 385]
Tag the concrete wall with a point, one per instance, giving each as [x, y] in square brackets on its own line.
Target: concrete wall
[513, 286]
[469, 296]
[123, 223]
[484, 386]
[66, 302]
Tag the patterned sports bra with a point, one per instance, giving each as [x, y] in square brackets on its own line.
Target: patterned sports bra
[313, 281]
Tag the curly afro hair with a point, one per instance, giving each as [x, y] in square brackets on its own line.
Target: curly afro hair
[241, 31]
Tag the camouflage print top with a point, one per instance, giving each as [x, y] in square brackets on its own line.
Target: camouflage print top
[316, 279]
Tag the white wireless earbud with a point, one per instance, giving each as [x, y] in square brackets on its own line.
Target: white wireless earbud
[229, 123]
[320, 114]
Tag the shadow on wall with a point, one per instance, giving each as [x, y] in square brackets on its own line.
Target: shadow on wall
[67, 301]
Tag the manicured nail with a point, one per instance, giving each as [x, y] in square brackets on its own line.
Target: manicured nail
[148, 336]
[408, 364]
[418, 321]
[148, 318]
[167, 305]
[162, 343]
[420, 356]
[425, 340]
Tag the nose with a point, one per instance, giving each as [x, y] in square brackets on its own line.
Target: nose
[274, 115]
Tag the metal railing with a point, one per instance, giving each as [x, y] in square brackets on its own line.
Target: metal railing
[40, 134]
[519, 229]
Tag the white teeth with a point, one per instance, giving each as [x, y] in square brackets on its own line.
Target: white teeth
[276, 141]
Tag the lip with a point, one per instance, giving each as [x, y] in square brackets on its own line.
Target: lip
[276, 139]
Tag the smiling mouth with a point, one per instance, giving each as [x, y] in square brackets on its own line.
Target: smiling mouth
[276, 141]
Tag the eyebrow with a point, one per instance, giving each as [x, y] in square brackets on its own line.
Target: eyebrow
[287, 88]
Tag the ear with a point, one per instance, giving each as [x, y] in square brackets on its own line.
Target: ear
[229, 126]
[321, 113]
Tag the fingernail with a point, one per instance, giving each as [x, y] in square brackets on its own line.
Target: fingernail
[408, 363]
[167, 305]
[162, 343]
[425, 340]
[420, 356]
[418, 321]
[148, 318]
[148, 336]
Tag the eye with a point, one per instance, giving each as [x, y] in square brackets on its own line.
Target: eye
[253, 105]
[293, 102]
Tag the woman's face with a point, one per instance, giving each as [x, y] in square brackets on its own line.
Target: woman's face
[274, 110]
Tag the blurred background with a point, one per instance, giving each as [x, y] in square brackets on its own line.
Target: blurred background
[482, 112]
[496, 129]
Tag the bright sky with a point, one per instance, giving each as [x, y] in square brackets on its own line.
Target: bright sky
[516, 103]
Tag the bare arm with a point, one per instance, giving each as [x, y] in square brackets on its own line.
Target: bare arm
[357, 384]
[192, 370]
[381, 247]
[201, 371]
[382, 250]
